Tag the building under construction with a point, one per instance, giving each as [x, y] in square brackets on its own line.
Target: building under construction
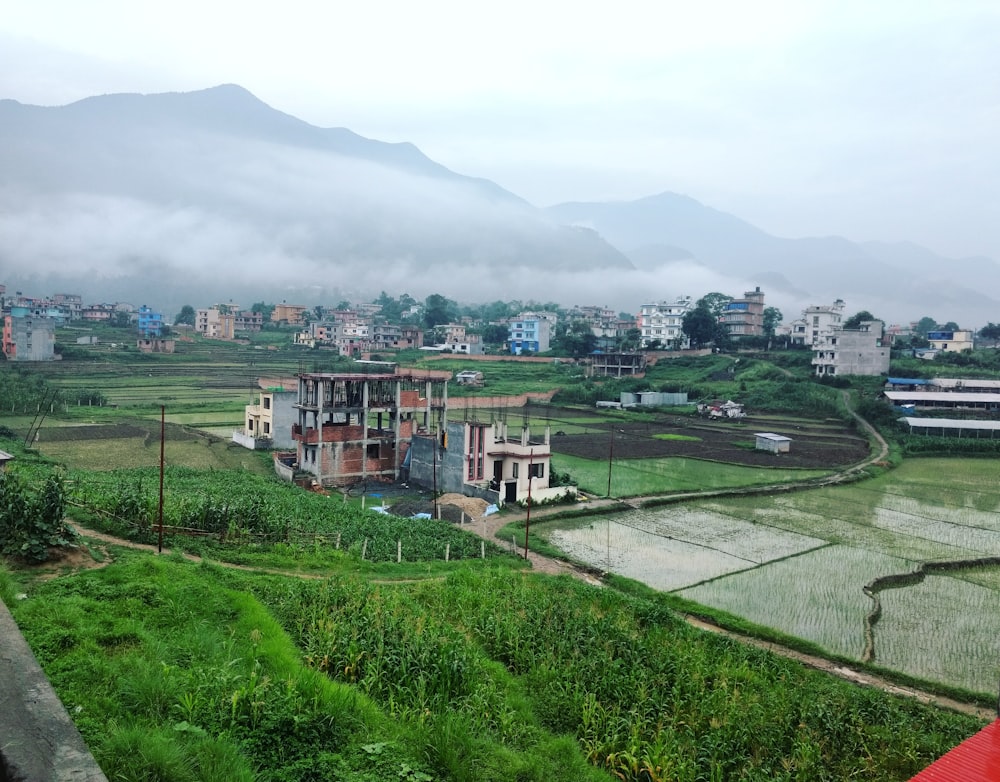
[356, 427]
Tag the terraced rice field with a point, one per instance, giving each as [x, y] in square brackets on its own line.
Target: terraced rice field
[798, 562]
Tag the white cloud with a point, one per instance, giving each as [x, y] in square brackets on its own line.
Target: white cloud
[870, 120]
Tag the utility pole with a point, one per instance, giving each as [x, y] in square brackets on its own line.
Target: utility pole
[434, 472]
[159, 544]
[611, 453]
[527, 519]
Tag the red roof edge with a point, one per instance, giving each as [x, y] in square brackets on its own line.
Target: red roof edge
[977, 759]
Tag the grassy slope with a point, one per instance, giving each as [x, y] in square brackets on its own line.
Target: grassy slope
[177, 671]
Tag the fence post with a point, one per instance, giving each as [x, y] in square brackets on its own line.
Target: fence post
[399, 551]
[338, 541]
[364, 548]
[447, 552]
[482, 549]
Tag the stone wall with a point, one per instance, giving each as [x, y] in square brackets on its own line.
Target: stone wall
[40, 743]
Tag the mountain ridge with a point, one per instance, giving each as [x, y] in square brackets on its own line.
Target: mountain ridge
[217, 191]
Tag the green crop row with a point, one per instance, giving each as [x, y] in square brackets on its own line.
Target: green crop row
[645, 696]
[241, 506]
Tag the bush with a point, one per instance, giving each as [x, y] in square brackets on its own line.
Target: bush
[32, 522]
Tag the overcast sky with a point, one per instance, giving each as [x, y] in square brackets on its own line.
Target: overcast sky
[869, 120]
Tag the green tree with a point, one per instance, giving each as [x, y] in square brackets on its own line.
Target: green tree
[497, 310]
[185, 316]
[990, 331]
[630, 340]
[772, 317]
[925, 325]
[438, 310]
[31, 522]
[264, 309]
[700, 325]
[122, 320]
[495, 334]
[577, 339]
[715, 302]
[857, 319]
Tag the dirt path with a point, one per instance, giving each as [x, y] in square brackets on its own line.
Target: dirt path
[488, 529]
[488, 526]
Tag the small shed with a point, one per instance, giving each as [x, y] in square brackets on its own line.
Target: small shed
[470, 378]
[775, 443]
[4, 458]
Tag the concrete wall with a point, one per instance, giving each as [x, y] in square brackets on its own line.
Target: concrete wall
[38, 741]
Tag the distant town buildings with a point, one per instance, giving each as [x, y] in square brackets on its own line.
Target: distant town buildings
[150, 323]
[530, 332]
[816, 323]
[290, 314]
[663, 322]
[216, 322]
[952, 341]
[28, 337]
[269, 420]
[860, 351]
[745, 317]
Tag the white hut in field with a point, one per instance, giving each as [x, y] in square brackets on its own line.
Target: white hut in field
[775, 443]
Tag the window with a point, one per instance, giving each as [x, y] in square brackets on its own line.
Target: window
[267, 403]
[267, 427]
[516, 465]
[536, 470]
[372, 451]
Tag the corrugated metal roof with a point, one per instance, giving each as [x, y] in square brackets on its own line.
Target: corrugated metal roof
[941, 382]
[957, 397]
[952, 423]
[974, 760]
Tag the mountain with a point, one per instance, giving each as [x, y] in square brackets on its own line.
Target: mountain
[211, 194]
[898, 282]
[197, 197]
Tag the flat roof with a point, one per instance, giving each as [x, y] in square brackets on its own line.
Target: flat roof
[401, 374]
[975, 382]
[772, 436]
[942, 396]
[952, 423]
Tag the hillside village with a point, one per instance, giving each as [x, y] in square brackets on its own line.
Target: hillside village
[840, 345]
[373, 422]
[378, 421]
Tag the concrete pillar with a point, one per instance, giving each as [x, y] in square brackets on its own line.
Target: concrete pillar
[397, 460]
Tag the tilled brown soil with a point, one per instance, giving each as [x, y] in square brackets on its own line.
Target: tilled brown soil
[820, 446]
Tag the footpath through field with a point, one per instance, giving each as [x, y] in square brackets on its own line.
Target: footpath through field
[491, 525]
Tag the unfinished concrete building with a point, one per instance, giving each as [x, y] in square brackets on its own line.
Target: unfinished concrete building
[357, 427]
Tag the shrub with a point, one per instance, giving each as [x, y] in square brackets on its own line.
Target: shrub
[32, 522]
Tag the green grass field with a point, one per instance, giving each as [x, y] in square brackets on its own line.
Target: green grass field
[943, 629]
